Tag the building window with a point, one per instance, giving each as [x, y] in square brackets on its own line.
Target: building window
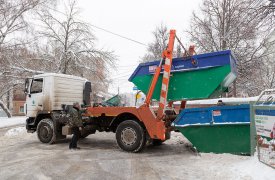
[21, 109]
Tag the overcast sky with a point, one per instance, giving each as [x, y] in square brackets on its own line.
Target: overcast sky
[136, 20]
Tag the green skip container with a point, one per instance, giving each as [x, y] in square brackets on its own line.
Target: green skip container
[218, 129]
[198, 77]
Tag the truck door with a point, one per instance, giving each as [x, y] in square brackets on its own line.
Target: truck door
[34, 100]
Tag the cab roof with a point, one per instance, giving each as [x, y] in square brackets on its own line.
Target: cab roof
[59, 75]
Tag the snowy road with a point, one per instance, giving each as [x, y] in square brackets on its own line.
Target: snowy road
[5, 122]
[22, 156]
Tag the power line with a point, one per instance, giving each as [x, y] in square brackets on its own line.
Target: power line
[121, 76]
[124, 37]
[108, 31]
[130, 65]
[124, 77]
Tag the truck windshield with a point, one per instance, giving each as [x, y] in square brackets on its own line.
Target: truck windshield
[37, 85]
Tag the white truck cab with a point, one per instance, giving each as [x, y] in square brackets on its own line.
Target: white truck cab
[46, 93]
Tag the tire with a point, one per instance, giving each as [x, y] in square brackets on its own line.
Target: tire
[130, 136]
[157, 142]
[45, 131]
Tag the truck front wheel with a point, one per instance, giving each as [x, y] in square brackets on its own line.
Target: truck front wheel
[130, 136]
[45, 131]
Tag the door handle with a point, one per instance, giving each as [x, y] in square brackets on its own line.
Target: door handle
[40, 105]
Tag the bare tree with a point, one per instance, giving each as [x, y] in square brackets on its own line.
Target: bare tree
[155, 49]
[64, 44]
[11, 16]
[266, 72]
[70, 45]
[160, 42]
[240, 25]
[13, 24]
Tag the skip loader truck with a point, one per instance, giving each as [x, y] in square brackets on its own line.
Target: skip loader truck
[48, 94]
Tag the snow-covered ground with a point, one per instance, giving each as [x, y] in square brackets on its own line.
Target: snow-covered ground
[15, 131]
[99, 152]
[241, 167]
[5, 122]
[251, 167]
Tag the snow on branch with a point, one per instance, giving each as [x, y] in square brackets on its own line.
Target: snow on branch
[27, 70]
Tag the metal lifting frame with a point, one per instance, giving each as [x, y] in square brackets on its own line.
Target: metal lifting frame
[167, 56]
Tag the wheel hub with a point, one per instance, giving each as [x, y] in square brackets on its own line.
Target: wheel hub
[128, 136]
[45, 131]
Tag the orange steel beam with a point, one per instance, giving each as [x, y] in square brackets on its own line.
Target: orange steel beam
[182, 104]
[168, 55]
[153, 85]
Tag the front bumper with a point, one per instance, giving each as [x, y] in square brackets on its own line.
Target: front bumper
[30, 125]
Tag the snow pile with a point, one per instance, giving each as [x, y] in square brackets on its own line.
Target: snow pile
[225, 100]
[252, 167]
[232, 166]
[15, 131]
[5, 122]
[178, 138]
[235, 167]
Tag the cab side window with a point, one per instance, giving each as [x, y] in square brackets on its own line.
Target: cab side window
[37, 85]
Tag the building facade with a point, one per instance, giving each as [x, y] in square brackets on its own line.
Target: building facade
[18, 101]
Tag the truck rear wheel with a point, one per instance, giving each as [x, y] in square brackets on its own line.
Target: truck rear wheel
[45, 131]
[130, 136]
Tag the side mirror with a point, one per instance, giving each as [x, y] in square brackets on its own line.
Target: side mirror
[86, 93]
[27, 83]
[63, 106]
[25, 91]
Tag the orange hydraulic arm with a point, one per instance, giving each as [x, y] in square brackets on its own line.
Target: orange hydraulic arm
[167, 57]
[153, 84]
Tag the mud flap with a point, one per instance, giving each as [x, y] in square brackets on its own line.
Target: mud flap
[66, 130]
